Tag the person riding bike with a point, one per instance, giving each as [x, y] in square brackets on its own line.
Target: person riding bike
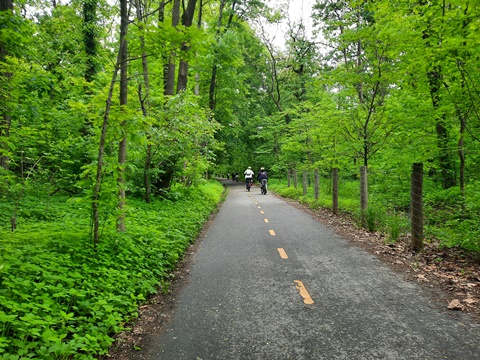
[262, 178]
[248, 177]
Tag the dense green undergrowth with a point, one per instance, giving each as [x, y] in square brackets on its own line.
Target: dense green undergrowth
[448, 217]
[60, 299]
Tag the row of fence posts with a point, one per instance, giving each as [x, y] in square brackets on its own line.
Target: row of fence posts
[416, 196]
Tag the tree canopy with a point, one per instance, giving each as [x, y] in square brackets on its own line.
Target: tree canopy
[382, 84]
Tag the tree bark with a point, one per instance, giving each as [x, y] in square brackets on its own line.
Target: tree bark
[6, 5]
[435, 79]
[463, 117]
[161, 20]
[122, 148]
[461, 155]
[446, 164]
[90, 42]
[101, 152]
[144, 102]
[199, 26]
[213, 78]
[187, 20]
[170, 83]
[89, 39]
[275, 92]
[164, 180]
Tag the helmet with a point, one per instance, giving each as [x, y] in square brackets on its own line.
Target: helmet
[249, 167]
[262, 169]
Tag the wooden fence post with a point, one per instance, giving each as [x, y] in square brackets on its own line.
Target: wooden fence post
[317, 184]
[335, 190]
[416, 206]
[295, 182]
[304, 176]
[363, 195]
[288, 177]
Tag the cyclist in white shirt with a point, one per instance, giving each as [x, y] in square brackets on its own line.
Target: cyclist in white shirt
[248, 176]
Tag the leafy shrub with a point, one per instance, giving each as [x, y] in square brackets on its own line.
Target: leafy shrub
[290, 192]
[61, 299]
[458, 233]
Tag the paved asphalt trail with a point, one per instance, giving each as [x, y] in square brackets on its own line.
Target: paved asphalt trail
[244, 301]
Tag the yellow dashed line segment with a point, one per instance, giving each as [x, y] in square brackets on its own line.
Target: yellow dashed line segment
[303, 292]
[272, 232]
[266, 220]
[262, 212]
[282, 253]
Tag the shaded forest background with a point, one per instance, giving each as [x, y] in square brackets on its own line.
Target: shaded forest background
[111, 110]
[101, 100]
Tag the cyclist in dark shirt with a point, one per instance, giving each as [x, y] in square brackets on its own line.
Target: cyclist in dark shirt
[262, 178]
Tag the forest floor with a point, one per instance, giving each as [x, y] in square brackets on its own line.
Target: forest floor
[450, 275]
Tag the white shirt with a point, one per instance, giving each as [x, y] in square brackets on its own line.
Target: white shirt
[248, 174]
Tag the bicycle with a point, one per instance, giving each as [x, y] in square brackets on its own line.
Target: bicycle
[249, 184]
[263, 187]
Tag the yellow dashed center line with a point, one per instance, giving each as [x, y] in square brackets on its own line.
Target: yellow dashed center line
[303, 292]
[272, 232]
[282, 253]
[259, 207]
[266, 220]
[262, 212]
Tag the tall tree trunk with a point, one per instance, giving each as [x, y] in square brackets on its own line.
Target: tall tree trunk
[461, 155]
[211, 92]
[435, 79]
[165, 178]
[89, 39]
[90, 42]
[144, 102]
[463, 116]
[275, 92]
[165, 58]
[101, 152]
[199, 26]
[187, 19]
[5, 5]
[213, 78]
[5, 117]
[170, 83]
[445, 162]
[122, 148]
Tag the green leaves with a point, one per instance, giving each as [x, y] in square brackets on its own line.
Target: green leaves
[59, 299]
[15, 33]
